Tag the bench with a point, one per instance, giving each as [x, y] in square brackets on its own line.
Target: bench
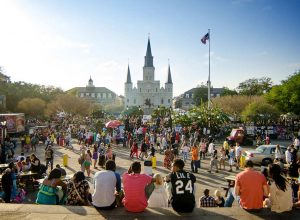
[32, 211]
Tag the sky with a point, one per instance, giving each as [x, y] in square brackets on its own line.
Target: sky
[64, 42]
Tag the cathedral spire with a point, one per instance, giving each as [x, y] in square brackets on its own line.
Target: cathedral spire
[169, 80]
[148, 57]
[128, 75]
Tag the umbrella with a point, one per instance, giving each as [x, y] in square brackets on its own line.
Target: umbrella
[113, 124]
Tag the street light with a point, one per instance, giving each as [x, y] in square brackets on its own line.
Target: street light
[3, 131]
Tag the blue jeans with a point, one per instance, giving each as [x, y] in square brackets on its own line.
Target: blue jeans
[185, 156]
[229, 200]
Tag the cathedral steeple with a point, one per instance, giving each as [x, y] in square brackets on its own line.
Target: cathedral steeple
[148, 57]
[128, 75]
[169, 80]
[90, 83]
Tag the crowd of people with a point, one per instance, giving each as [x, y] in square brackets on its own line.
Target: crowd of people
[136, 190]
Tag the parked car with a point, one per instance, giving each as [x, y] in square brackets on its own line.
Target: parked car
[264, 154]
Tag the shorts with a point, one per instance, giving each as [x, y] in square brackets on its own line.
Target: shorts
[87, 163]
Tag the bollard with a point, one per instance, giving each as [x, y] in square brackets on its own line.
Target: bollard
[154, 162]
[242, 161]
[65, 160]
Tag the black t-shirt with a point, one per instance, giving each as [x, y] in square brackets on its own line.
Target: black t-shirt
[183, 198]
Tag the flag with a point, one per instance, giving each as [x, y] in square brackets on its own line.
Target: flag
[205, 38]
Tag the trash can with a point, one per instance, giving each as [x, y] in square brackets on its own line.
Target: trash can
[65, 160]
[153, 162]
[148, 167]
[242, 161]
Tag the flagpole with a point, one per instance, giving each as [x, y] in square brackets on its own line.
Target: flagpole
[208, 82]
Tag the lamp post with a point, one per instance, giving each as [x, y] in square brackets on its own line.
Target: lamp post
[3, 131]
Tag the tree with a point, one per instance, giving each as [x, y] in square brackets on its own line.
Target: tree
[287, 95]
[132, 111]
[255, 86]
[69, 104]
[203, 117]
[200, 95]
[260, 113]
[34, 107]
[236, 104]
[228, 92]
[17, 91]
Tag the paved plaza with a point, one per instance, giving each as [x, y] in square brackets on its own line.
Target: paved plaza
[211, 181]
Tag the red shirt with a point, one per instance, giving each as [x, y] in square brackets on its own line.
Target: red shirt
[134, 188]
[251, 185]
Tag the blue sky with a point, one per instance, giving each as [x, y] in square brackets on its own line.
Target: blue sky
[63, 42]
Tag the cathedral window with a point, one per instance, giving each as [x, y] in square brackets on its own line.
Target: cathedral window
[169, 100]
[140, 89]
[162, 101]
[134, 101]
[156, 89]
[127, 100]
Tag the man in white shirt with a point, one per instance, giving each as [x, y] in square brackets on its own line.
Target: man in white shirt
[211, 148]
[106, 182]
[288, 155]
[238, 154]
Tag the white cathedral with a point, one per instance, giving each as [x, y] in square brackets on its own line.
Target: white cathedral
[148, 94]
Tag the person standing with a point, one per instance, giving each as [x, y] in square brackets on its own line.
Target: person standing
[231, 157]
[226, 147]
[195, 159]
[185, 150]
[238, 154]
[214, 161]
[182, 189]
[95, 155]
[143, 150]
[202, 149]
[251, 186]
[134, 149]
[169, 157]
[88, 162]
[49, 157]
[222, 158]
[7, 184]
[278, 152]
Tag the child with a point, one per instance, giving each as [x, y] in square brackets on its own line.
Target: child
[95, 155]
[220, 201]
[159, 197]
[231, 158]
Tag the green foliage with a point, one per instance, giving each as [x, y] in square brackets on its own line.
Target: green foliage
[132, 111]
[228, 92]
[260, 113]
[161, 112]
[200, 95]
[287, 95]
[32, 107]
[17, 91]
[201, 116]
[255, 86]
